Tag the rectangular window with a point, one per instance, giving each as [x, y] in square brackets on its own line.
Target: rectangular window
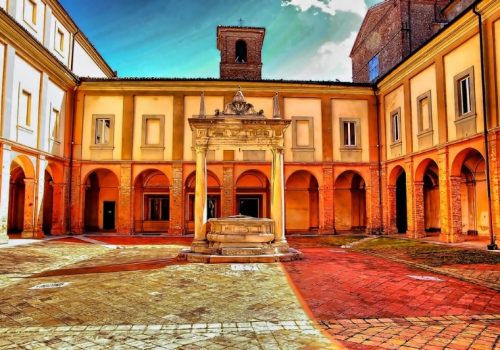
[349, 133]
[373, 68]
[102, 131]
[152, 131]
[159, 208]
[464, 89]
[424, 112]
[54, 117]
[30, 11]
[396, 126]
[59, 42]
[25, 108]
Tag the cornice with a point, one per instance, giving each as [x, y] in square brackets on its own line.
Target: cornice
[196, 86]
[30, 48]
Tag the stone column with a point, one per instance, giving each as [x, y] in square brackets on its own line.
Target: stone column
[456, 209]
[326, 193]
[176, 200]
[410, 199]
[124, 200]
[227, 195]
[77, 203]
[200, 200]
[29, 196]
[419, 211]
[444, 197]
[58, 209]
[4, 193]
[40, 193]
[391, 211]
[277, 196]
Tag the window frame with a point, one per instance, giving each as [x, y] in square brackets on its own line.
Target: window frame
[59, 44]
[32, 22]
[371, 67]
[55, 134]
[110, 143]
[457, 79]
[420, 122]
[144, 136]
[395, 118]
[357, 133]
[158, 197]
[310, 121]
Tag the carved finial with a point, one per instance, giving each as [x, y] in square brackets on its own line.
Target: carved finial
[202, 105]
[276, 107]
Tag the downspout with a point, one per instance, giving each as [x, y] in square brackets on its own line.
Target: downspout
[71, 155]
[381, 211]
[492, 245]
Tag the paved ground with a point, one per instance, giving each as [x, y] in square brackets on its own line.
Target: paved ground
[105, 295]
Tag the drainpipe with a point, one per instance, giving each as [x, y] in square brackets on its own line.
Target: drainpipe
[72, 120]
[381, 212]
[492, 245]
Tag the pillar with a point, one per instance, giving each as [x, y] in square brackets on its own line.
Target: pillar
[125, 200]
[227, 208]
[372, 202]
[200, 200]
[456, 209]
[418, 211]
[29, 199]
[326, 209]
[58, 217]
[77, 202]
[410, 199]
[176, 200]
[40, 191]
[444, 198]
[391, 211]
[277, 195]
[494, 148]
[4, 193]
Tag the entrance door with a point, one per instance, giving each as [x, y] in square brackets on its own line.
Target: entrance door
[249, 205]
[108, 222]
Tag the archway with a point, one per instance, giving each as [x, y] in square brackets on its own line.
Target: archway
[48, 204]
[252, 194]
[17, 190]
[427, 198]
[350, 202]
[240, 51]
[302, 202]
[401, 208]
[213, 198]
[101, 201]
[472, 190]
[151, 202]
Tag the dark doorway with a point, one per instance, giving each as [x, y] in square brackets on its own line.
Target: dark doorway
[249, 206]
[401, 220]
[108, 222]
[48, 202]
[213, 207]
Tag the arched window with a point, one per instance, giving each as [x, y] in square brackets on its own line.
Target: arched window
[241, 52]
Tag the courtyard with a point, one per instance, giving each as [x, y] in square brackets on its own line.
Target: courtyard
[352, 292]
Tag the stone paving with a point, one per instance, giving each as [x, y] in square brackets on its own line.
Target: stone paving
[111, 296]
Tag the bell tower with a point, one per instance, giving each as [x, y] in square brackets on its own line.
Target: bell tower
[240, 52]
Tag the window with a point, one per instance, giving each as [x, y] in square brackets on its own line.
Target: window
[30, 12]
[102, 131]
[349, 128]
[396, 126]
[373, 68]
[241, 52]
[59, 42]
[424, 112]
[159, 208]
[464, 93]
[55, 119]
[153, 131]
[25, 108]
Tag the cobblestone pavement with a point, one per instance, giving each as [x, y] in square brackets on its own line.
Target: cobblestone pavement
[63, 295]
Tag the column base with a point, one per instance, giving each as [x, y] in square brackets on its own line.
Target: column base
[451, 238]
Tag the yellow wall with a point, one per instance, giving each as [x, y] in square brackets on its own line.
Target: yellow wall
[457, 61]
[105, 105]
[192, 108]
[304, 107]
[153, 105]
[420, 84]
[355, 109]
[393, 101]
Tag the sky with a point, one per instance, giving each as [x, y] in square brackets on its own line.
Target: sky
[305, 39]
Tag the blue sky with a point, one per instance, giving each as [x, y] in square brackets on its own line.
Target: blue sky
[305, 39]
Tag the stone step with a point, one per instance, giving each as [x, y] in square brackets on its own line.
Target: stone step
[242, 251]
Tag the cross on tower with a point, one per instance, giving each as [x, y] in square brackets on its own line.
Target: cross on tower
[241, 22]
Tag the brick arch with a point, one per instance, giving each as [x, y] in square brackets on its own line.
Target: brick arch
[26, 165]
[350, 201]
[212, 180]
[461, 159]
[253, 193]
[55, 171]
[395, 173]
[422, 167]
[302, 202]
[147, 175]
[98, 170]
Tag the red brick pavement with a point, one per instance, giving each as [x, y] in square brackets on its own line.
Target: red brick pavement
[340, 284]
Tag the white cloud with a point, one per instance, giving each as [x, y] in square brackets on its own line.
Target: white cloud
[329, 6]
[331, 61]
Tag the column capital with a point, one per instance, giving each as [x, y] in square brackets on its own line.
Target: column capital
[200, 149]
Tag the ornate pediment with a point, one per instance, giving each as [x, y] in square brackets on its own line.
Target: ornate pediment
[238, 106]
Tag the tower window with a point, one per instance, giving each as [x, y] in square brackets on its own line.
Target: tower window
[241, 51]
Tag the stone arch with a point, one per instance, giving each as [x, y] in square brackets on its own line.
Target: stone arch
[213, 198]
[470, 210]
[350, 201]
[151, 201]
[21, 197]
[101, 200]
[427, 198]
[252, 194]
[53, 207]
[302, 202]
